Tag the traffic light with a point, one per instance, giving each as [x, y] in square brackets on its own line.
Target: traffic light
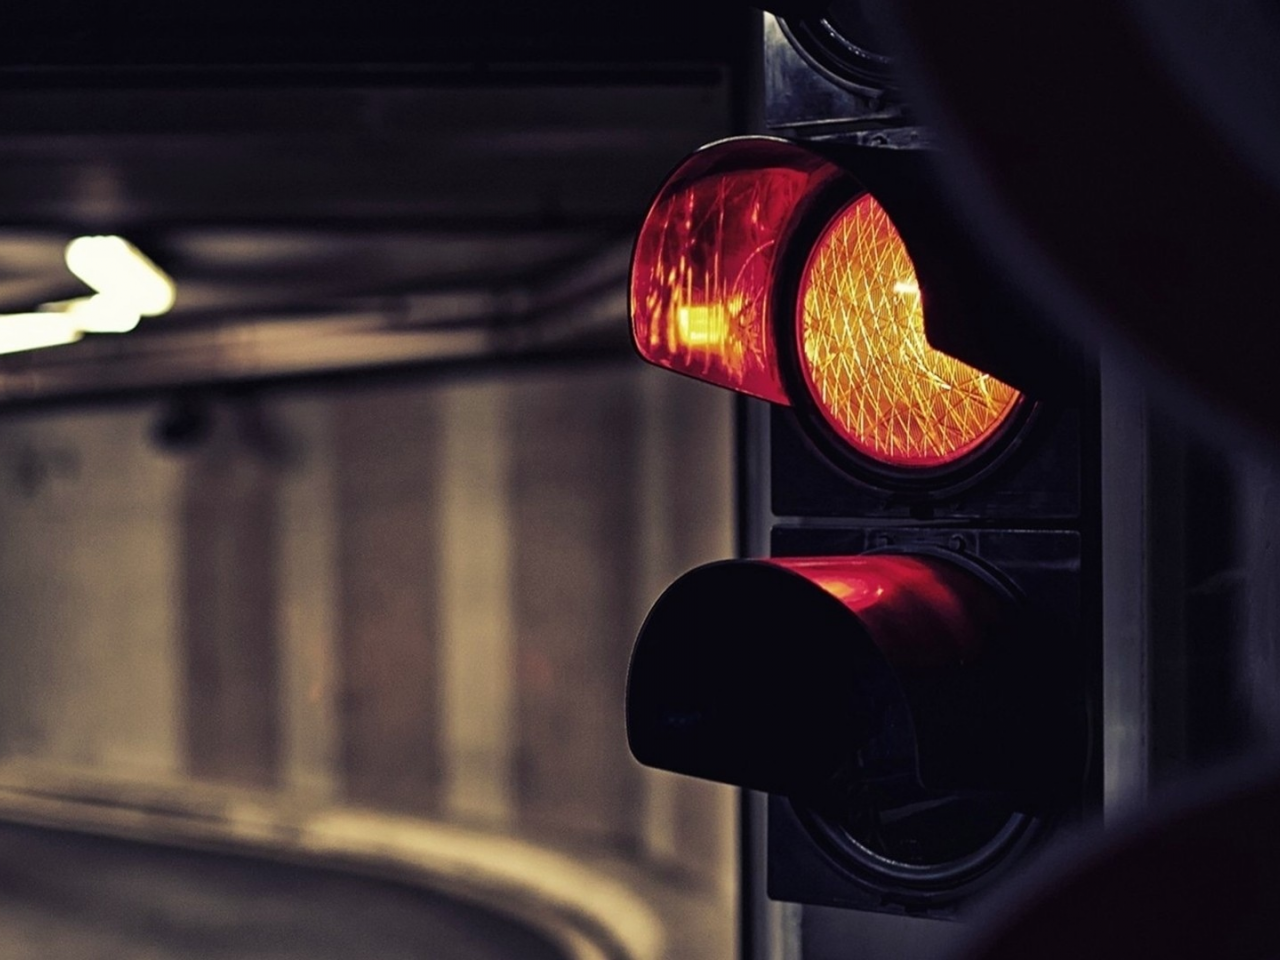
[910, 673]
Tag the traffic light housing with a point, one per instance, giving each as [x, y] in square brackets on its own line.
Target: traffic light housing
[910, 674]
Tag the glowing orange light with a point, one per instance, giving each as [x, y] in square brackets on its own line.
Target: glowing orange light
[865, 357]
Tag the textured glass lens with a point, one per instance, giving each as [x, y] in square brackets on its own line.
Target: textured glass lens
[865, 357]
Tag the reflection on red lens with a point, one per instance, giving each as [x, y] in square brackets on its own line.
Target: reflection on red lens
[703, 275]
[706, 262]
[919, 610]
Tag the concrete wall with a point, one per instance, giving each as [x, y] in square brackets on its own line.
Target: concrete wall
[90, 588]
[417, 597]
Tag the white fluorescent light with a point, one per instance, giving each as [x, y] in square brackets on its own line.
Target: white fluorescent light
[128, 285]
[117, 269]
[31, 331]
[101, 314]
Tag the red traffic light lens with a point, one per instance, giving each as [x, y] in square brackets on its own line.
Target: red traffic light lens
[769, 673]
[705, 262]
[920, 611]
[902, 701]
[874, 376]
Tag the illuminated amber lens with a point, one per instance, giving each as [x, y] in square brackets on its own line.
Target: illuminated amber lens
[703, 274]
[865, 357]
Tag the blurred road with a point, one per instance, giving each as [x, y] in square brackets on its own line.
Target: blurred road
[70, 897]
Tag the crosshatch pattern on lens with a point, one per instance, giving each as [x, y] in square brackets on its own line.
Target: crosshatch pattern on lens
[865, 358]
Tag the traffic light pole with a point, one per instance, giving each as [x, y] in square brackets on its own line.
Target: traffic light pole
[1183, 585]
[1126, 585]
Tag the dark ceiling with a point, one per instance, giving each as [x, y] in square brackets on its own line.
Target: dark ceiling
[342, 213]
[427, 34]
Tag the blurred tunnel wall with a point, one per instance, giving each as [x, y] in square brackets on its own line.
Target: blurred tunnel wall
[418, 597]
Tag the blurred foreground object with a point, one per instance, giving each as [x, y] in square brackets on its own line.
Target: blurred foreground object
[1127, 172]
[1197, 880]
